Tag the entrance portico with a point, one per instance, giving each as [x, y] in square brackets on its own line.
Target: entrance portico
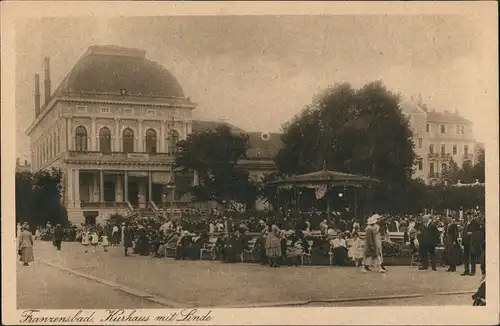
[106, 188]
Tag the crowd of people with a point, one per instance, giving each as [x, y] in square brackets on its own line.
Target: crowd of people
[280, 240]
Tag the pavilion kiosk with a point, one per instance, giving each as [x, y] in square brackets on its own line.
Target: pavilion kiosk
[323, 182]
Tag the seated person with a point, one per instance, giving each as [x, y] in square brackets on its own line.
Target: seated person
[339, 250]
[294, 253]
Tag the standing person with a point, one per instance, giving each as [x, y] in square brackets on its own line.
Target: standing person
[104, 242]
[127, 238]
[430, 239]
[25, 245]
[94, 240]
[471, 239]
[373, 246]
[85, 239]
[58, 236]
[19, 229]
[273, 244]
[450, 240]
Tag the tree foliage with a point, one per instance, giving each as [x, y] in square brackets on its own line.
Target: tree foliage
[38, 197]
[354, 131]
[214, 154]
[467, 173]
[359, 131]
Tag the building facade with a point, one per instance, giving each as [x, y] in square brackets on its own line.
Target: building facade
[111, 126]
[439, 137]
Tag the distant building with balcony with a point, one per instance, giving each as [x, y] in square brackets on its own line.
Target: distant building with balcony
[111, 126]
[438, 138]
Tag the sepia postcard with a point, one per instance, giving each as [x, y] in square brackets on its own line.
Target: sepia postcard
[227, 163]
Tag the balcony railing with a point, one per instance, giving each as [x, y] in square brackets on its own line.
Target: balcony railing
[433, 156]
[434, 175]
[98, 205]
[122, 156]
[445, 156]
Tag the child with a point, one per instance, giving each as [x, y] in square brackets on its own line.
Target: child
[85, 240]
[104, 242]
[94, 240]
[356, 249]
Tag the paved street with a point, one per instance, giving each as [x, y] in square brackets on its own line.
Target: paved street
[43, 287]
[435, 300]
[207, 283]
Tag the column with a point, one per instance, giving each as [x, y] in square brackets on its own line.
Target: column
[77, 188]
[69, 135]
[101, 186]
[93, 136]
[95, 187]
[118, 189]
[117, 144]
[150, 186]
[125, 195]
[69, 188]
[140, 145]
[161, 149]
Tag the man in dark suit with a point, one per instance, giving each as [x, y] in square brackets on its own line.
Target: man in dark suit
[451, 235]
[471, 239]
[58, 236]
[429, 239]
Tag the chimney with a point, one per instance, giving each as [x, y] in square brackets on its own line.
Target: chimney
[26, 162]
[17, 161]
[46, 82]
[37, 95]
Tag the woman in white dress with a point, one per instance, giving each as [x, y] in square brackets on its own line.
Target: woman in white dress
[356, 250]
[104, 242]
[85, 239]
[94, 240]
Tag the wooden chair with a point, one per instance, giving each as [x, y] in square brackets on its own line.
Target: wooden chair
[250, 250]
[307, 253]
[209, 247]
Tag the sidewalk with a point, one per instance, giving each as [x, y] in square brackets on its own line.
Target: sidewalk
[208, 283]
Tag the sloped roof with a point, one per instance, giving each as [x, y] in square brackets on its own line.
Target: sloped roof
[263, 146]
[325, 177]
[435, 116]
[260, 147]
[410, 107]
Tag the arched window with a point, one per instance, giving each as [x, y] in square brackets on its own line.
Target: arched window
[174, 139]
[151, 141]
[128, 140]
[81, 139]
[105, 140]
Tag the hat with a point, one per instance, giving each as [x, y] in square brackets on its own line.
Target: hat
[373, 219]
[331, 232]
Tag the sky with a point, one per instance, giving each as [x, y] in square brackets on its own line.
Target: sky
[257, 72]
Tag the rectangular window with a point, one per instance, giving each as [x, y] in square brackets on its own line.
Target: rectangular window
[431, 148]
[105, 110]
[151, 112]
[462, 129]
[458, 129]
[466, 150]
[420, 165]
[454, 149]
[443, 167]
[427, 128]
[443, 129]
[431, 168]
[128, 111]
[81, 109]
[420, 143]
[443, 149]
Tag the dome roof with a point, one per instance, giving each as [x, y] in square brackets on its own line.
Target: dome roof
[111, 69]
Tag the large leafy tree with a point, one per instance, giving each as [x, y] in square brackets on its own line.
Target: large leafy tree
[355, 131]
[38, 197]
[467, 173]
[214, 154]
[360, 131]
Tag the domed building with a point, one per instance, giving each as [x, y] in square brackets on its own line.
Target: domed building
[111, 126]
